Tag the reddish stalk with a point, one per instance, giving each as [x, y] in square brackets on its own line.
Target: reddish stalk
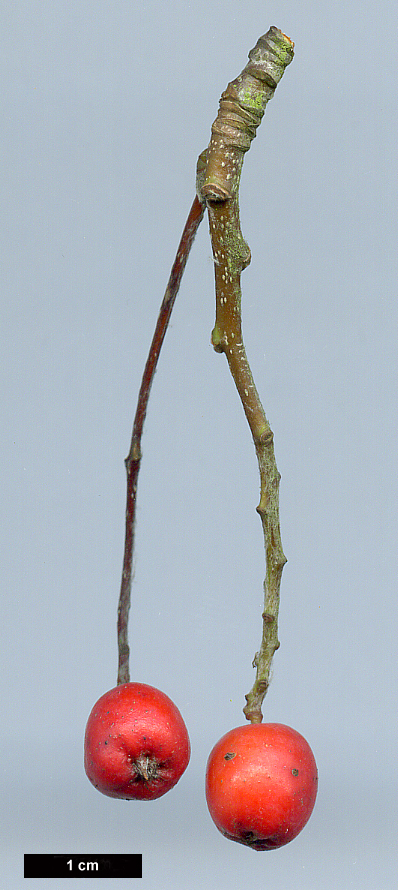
[133, 460]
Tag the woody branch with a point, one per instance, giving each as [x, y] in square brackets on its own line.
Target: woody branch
[242, 106]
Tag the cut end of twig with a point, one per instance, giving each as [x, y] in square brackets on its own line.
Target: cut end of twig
[242, 106]
[285, 37]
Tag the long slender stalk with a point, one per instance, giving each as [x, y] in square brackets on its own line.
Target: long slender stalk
[133, 460]
[242, 106]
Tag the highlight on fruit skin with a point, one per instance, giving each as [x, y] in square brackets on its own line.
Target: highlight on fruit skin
[136, 744]
[261, 785]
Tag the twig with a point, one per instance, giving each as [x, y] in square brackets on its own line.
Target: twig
[242, 106]
[133, 460]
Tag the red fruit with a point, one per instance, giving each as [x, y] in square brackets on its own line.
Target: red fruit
[261, 785]
[136, 745]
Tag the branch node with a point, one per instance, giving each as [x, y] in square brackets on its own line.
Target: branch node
[266, 438]
[218, 342]
[135, 454]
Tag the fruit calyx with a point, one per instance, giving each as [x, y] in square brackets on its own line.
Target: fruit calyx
[146, 768]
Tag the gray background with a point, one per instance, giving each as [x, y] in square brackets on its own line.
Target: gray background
[105, 108]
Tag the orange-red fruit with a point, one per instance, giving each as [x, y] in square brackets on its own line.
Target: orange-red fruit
[136, 744]
[261, 784]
